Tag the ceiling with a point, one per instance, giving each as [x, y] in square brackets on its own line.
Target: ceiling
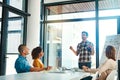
[83, 7]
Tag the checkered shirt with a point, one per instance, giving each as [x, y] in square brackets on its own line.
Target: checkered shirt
[83, 51]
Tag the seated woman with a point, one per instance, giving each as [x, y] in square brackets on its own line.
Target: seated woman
[109, 65]
[37, 53]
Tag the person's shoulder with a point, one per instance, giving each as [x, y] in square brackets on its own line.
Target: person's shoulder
[79, 43]
[20, 59]
[36, 59]
[90, 42]
[111, 61]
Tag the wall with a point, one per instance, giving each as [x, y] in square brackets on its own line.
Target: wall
[33, 28]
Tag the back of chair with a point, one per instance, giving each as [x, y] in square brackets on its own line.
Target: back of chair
[112, 75]
[95, 76]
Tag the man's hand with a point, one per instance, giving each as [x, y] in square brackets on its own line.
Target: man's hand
[75, 52]
[71, 47]
[85, 68]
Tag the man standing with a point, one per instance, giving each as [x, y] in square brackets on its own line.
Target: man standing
[84, 49]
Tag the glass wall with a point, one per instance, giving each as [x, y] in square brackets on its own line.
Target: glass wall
[71, 16]
[106, 28]
[60, 36]
[13, 33]
[72, 20]
[15, 36]
[16, 3]
[64, 24]
[71, 11]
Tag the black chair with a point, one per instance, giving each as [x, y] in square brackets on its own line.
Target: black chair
[87, 78]
[118, 69]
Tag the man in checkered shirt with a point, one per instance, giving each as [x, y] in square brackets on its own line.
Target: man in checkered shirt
[84, 50]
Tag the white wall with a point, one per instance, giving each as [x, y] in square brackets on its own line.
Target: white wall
[33, 26]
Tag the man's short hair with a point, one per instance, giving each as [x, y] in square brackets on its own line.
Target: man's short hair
[85, 33]
[21, 47]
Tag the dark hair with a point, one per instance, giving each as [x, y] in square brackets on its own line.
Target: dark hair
[110, 52]
[21, 47]
[35, 52]
[84, 32]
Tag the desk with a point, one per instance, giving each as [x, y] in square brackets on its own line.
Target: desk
[44, 76]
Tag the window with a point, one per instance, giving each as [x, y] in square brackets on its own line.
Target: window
[107, 27]
[12, 33]
[15, 38]
[60, 36]
[64, 24]
[16, 3]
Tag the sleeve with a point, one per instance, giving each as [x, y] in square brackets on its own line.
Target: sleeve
[92, 48]
[36, 64]
[107, 65]
[22, 66]
[26, 67]
[78, 48]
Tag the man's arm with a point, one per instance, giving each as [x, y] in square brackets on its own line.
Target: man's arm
[36, 69]
[75, 52]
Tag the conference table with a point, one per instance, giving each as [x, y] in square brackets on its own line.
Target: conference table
[47, 75]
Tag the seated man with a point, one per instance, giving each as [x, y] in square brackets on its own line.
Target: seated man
[21, 63]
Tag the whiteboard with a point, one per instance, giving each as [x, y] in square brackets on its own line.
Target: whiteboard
[113, 40]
